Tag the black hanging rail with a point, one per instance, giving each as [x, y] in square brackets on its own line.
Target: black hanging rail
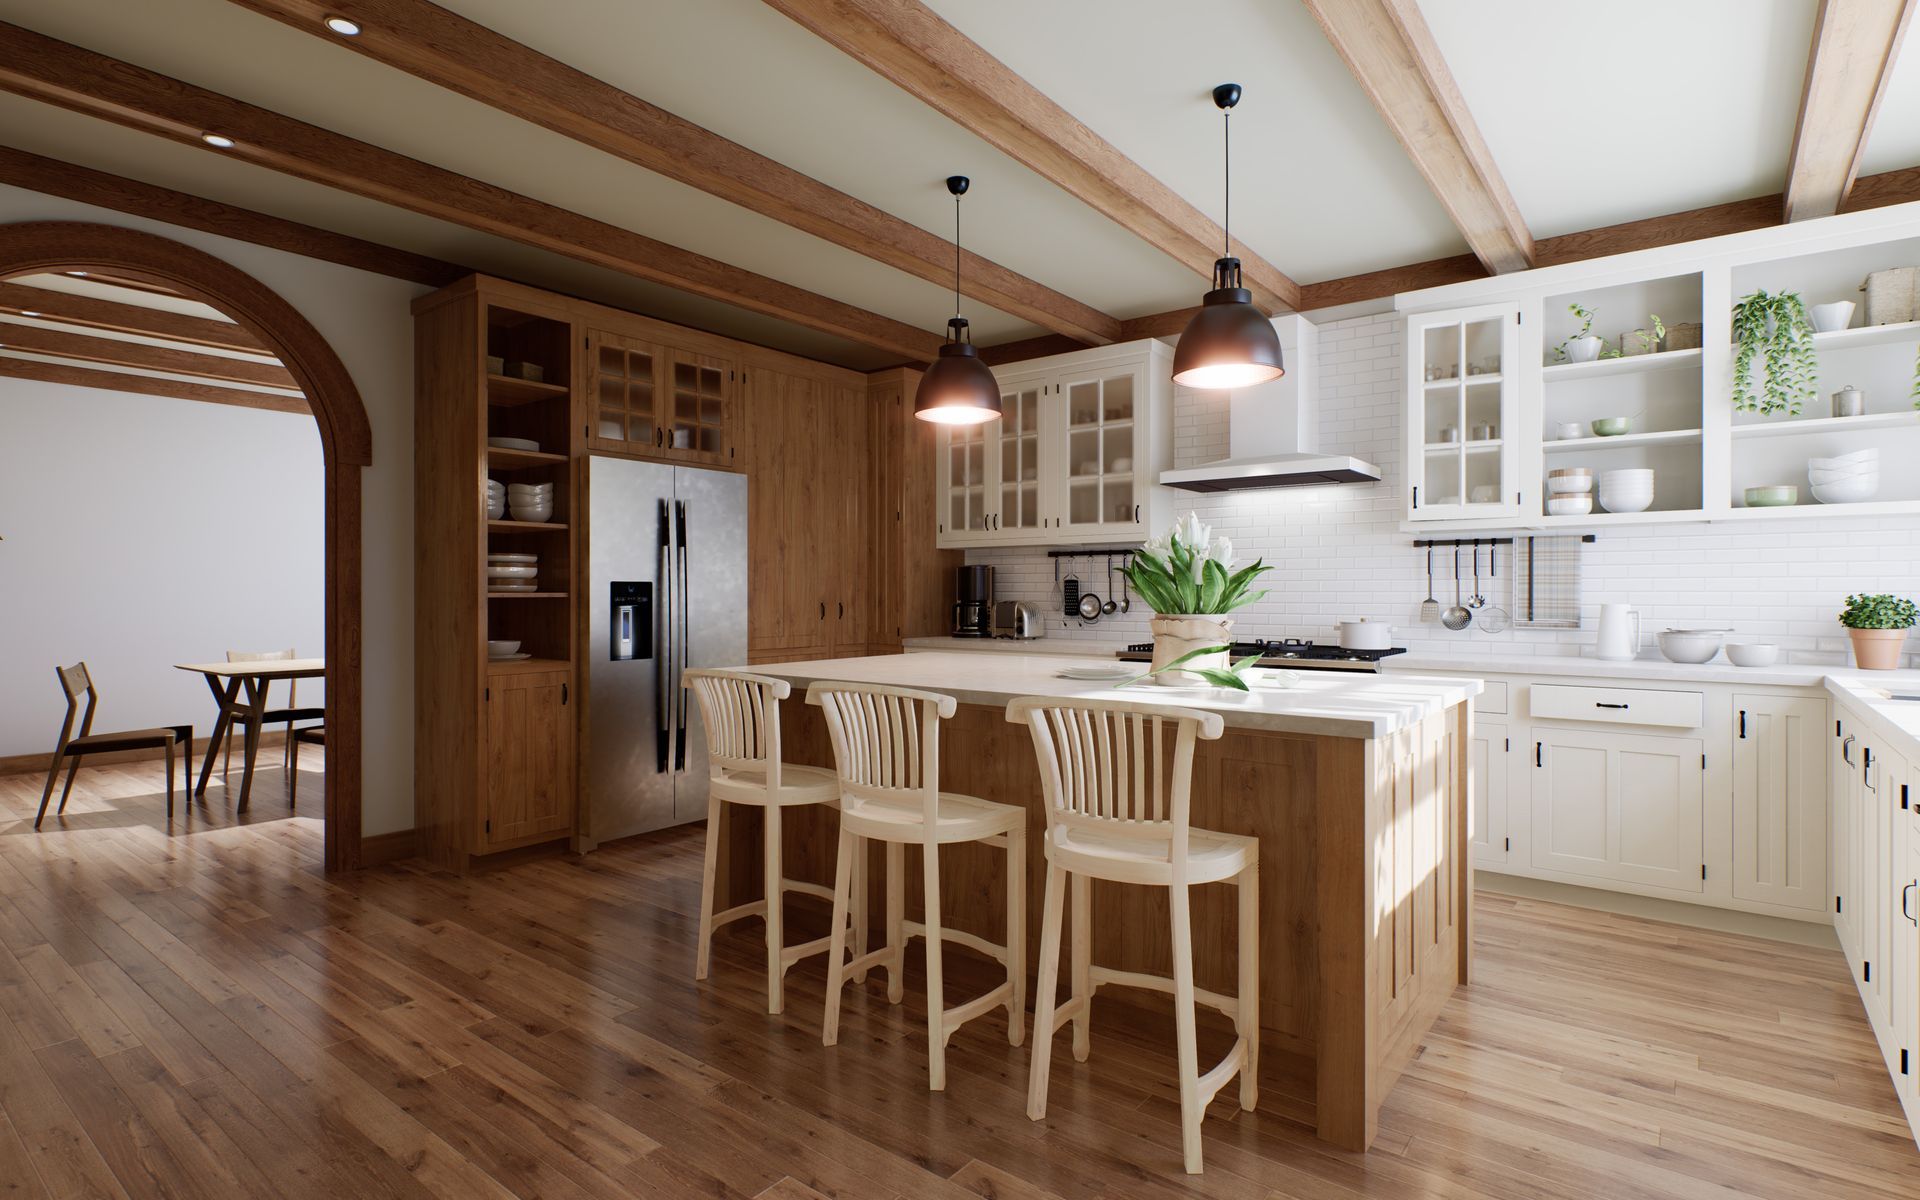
[1470, 543]
[1093, 552]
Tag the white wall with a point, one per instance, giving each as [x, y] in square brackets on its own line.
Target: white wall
[1340, 551]
[125, 549]
[365, 318]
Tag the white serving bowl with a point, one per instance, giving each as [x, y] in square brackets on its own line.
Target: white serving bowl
[533, 512]
[520, 489]
[1841, 474]
[1752, 654]
[1827, 318]
[497, 510]
[1569, 506]
[513, 557]
[1870, 454]
[1572, 485]
[1690, 645]
[1847, 491]
[500, 649]
[1628, 475]
[511, 571]
[1614, 502]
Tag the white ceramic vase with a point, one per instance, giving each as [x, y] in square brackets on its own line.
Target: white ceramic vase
[1177, 635]
[1584, 349]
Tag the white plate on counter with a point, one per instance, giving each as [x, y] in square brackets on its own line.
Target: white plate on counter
[1101, 672]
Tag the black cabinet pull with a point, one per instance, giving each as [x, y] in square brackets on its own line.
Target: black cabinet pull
[563, 693]
[1743, 724]
[1537, 755]
[1904, 910]
[1604, 704]
[841, 604]
[823, 610]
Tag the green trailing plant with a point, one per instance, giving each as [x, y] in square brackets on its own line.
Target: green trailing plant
[1650, 339]
[1186, 571]
[1774, 328]
[1230, 676]
[1585, 316]
[1880, 611]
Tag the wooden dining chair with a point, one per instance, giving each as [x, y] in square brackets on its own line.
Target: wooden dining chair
[273, 716]
[77, 681]
[297, 736]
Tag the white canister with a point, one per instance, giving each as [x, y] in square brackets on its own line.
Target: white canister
[1358, 633]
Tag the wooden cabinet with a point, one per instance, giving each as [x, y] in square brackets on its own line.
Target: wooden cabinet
[1489, 758]
[1618, 806]
[1463, 421]
[1779, 800]
[910, 579]
[530, 757]
[649, 397]
[1076, 455]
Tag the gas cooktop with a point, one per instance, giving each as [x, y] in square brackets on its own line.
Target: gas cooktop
[1288, 652]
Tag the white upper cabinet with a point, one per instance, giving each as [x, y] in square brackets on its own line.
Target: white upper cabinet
[1655, 394]
[1461, 408]
[1074, 458]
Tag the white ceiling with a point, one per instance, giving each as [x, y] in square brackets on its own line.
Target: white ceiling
[1594, 115]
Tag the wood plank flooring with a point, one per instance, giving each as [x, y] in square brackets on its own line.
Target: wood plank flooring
[198, 1012]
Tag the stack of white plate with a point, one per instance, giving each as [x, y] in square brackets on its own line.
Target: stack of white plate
[496, 500]
[513, 572]
[531, 501]
[1846, 479]
[1626, 491]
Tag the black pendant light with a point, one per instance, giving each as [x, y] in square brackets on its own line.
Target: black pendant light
[958, 389]
[1229, 343]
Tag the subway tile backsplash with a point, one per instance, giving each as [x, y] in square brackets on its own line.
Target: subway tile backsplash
[1340, 552]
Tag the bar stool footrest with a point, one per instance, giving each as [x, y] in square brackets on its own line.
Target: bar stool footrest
[1226, 1005]
[953, 1018]
[1222, 1073]
[959, 937]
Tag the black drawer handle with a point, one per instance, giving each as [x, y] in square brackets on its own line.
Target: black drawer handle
[1604, 704]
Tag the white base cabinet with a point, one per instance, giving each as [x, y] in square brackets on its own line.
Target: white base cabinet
[1489, 757]
[1779, 800]
[1618, 806]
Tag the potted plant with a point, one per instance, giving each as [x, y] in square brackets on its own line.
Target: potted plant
[1186, 576]
[1644, 341]
[1775, 328]
[1584, 345]
[1878, 626]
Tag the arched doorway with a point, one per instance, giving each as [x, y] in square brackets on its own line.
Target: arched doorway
[345, 438]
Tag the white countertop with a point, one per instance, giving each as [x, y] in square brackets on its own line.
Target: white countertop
[1867, 691]
[1040, 645]
[1648, 669]
[1325, 703]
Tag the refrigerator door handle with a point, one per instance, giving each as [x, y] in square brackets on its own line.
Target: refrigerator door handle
[663, 676]
[681, 605]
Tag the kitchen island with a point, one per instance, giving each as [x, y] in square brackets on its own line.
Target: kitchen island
[1356, 786]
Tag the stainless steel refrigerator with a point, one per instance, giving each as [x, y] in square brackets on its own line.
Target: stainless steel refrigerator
[667, 569]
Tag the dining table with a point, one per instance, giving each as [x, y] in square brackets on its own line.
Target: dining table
[240, 691]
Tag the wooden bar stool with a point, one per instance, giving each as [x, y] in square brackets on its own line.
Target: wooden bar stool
[741, 712]
[1117, 800]
[886, 746]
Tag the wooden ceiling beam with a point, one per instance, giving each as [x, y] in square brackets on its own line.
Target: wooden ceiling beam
[909, 45]
[463, 56]
[147, 385]
[42, 68]
[69, 308]
[120, 353]
[1391, 52]
[1855, 43]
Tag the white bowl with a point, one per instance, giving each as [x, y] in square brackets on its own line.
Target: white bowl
[1847, 491]
[521, 489]
[497, 511]
[1870, 471]
[1690, 646]
[505, 557]
[1570, 485]
[507, 443]
[1626, 504]
[1827, 318]
[511, 571]
[1569, 506]
[1752, 654]
[1870, 454]
[1628, 475]
[533, 512]
[502, 648]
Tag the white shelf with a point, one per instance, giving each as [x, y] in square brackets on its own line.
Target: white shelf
[1443, 447]
[1663, 437]
[1472, 381]
[1867, 335]
[1806, 425]
[1599, 517]
[1600, 368]
[1813, 508]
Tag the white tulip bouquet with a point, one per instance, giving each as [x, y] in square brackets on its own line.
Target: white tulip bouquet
[1187, 571]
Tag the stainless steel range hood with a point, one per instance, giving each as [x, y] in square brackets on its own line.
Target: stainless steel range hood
[1271, 430]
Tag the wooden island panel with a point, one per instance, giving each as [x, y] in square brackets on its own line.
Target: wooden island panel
[1364, 906]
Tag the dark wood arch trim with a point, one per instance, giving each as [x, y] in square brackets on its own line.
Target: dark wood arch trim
[346, 441]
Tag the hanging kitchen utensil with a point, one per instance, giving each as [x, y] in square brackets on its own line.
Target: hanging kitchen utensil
[1089, 606]
[1111, 606]
[1126, 593]
[1070, 594]
[1430, 607]
[1458, 616]
[1494, 618]
[1476, 601]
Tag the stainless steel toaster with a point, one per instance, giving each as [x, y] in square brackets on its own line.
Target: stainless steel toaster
[1017, 619]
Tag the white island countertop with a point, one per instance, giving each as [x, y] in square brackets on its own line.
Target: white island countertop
[1324, 703]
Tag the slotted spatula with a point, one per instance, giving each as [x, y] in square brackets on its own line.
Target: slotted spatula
[1430, 607]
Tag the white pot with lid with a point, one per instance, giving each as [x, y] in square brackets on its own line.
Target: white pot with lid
[1358, 633]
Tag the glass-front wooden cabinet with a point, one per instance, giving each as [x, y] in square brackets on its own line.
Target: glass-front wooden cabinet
[658, 400]
[1462, 370]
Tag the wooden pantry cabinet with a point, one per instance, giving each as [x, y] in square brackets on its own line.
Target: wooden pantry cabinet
[833, 459]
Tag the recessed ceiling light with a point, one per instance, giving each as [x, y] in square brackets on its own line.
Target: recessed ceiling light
[219, 141]
[343, 27]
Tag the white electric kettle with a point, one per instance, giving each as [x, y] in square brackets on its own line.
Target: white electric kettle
[1619, 633]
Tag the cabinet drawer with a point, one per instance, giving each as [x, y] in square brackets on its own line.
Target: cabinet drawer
[1492, 698]
[1618, 706]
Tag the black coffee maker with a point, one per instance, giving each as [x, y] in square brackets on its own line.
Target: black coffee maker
[973, 602]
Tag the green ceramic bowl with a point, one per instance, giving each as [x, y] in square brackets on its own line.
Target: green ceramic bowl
[1775, 496]
[1612, 426]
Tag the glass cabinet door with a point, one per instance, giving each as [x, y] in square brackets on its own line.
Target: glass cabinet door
[1461, 375]
[696, 416]
[624, 385]
[1018, 434]
[1102, 487]
[966, 503]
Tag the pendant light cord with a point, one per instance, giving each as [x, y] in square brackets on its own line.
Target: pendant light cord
[956, 256]
[1226, 215]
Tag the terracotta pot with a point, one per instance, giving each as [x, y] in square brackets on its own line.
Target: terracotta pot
[1874, 649]
[1177, 635]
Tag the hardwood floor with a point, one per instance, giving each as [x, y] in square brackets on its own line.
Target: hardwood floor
[201, 1013]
